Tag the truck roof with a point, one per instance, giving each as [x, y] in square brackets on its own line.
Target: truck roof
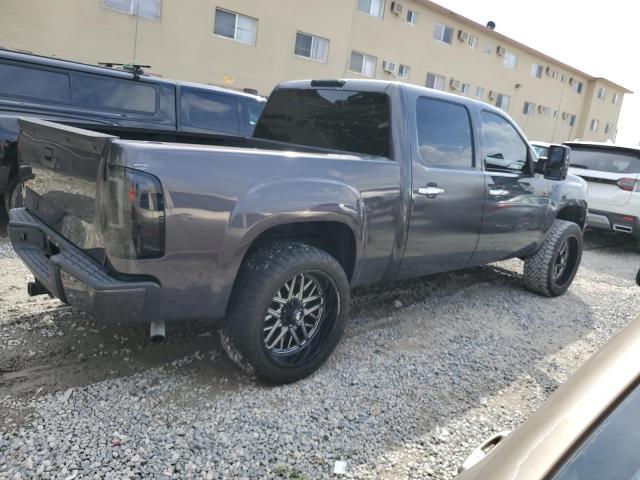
[604, 146]
[383, 85]
[110, 72]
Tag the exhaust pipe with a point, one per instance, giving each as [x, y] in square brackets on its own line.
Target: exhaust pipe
[35, 288]
[622, 228]
[157, 331]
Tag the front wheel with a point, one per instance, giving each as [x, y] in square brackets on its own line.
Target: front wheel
[551, 270]
[287, 312]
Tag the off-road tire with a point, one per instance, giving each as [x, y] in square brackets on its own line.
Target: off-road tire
[261, 276]
[12, 195]
[539, 267]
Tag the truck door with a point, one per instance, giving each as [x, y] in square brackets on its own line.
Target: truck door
[516, 198]
[447, 191]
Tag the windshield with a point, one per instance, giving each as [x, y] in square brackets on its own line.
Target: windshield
[343, 120]
[605, 160]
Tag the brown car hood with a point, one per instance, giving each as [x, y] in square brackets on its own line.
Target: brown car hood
[540, 443]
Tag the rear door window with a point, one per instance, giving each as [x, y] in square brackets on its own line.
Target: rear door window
[210, 111]
[349, 121]
[505, 150]
[34, 83]
[605, 160]
[98, 92]
[444, 134]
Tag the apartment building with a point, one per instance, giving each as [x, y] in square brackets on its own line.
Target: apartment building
[256, 44]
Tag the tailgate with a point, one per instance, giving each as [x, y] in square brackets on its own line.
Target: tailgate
[66, 163]
[603, 189]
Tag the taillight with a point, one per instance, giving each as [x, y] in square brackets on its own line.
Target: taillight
[133, 206]
[628, 184]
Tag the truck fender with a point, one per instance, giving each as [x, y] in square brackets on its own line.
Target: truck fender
[288, 201]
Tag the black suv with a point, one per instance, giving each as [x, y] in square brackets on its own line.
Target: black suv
[125, 103]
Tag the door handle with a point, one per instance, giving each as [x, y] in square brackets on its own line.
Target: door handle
[430, 191]
[498, 192]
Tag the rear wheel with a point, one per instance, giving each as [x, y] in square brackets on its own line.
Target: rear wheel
[551, 270]
[287, 312]
[13, 194]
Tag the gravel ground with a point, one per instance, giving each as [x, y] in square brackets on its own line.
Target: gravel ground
[427, 370]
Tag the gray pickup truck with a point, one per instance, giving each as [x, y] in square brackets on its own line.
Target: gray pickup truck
[344, 183]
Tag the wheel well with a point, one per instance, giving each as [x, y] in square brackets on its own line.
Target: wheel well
[335, 238]
[573, 214]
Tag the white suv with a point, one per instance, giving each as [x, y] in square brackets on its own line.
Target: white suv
[612, 173]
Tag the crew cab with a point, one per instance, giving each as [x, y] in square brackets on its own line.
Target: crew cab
[344, 183]
[124, 103]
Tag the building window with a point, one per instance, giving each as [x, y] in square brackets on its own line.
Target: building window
[594, 125]
[546, 111]
[487, 47]
[570, 117]
[310, 46]
[608, 127]
[404, 71]
[235, 26]
[151, 9]
[363, 64]
[615, 99]
[375, 8]
[465, 88]
[442, 33]
[480, 92]
[536, 70]
[602, 93]
[529, 108]
[436, 82]
[503, 102]
[473, 41]
[412, 17]
[577, 86]
[510, 60]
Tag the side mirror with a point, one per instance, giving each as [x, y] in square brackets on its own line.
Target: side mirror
[557, 163]
[539, 165]
[482, 451]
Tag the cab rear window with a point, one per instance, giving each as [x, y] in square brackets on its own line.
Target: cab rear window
[348, 121]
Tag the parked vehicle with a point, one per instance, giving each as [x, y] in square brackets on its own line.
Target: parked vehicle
[345, 183]
[128, 104]
[589, 429]
[612, 173]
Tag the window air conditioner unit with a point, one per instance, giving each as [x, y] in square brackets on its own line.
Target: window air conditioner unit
[397, 8]
[548, 71]
[454, 84]
[571, 80]
[540, 109]
[389, 67]
[501, 51]
[463, 36]
[565, 116]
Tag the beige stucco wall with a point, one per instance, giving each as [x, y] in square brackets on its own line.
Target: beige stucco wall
[181, 45]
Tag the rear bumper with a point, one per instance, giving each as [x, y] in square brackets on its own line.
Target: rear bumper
[77, 279]
[616, 222]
